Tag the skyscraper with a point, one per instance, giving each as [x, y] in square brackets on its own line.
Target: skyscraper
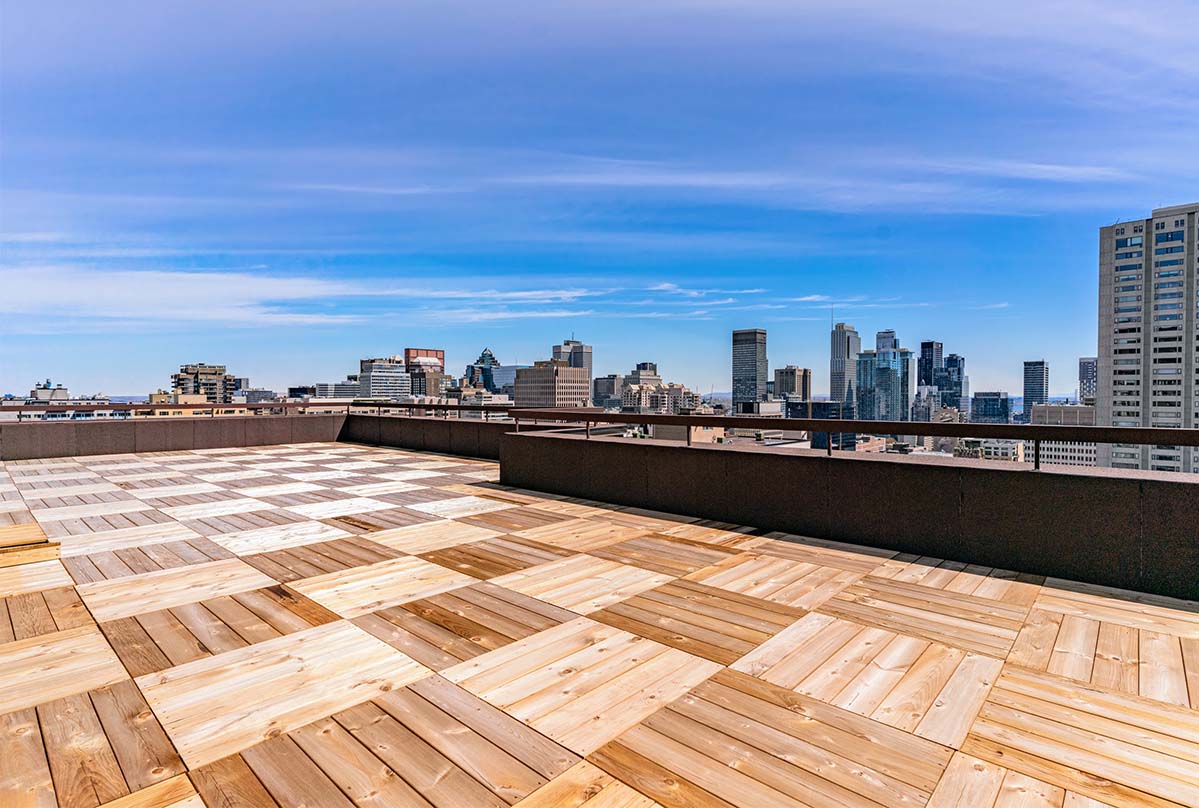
[846, 345]
[954, 384]
[885, 380]
[991, 408]
[793, 380]
[749, 367]
[1036, 385]
[1088, 379]
[575, 354]
[482, 372]
[929, 363]
[1147, 308]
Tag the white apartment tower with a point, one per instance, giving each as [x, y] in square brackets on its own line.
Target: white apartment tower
[1147, 335]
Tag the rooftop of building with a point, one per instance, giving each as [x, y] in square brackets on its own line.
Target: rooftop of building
[335, 624]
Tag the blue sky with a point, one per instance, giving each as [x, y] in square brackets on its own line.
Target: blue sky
[285, 187]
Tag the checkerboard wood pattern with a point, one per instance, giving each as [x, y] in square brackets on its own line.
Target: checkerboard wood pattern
[342, 625]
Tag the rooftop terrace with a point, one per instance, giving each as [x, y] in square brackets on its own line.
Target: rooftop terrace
[329, 624]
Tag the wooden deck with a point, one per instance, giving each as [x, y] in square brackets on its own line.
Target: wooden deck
[337, 625]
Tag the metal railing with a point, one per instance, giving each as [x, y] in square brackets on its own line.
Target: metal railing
[1036, 433]
[266, 408]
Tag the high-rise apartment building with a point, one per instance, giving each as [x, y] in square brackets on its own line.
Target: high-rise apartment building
[749, 368]
[793, 380]
[1088, 379]
[1036, 385]
[575, 354]
[885, 380]
[552, 383]
[1147, 334]
[929, 363]
[846, 345]
[990, 408]
[384, 378]
[211, 381]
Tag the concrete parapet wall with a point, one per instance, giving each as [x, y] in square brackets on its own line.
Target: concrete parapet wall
[80, 438]
[1134, 531]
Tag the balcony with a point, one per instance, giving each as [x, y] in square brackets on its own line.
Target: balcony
[347, 609]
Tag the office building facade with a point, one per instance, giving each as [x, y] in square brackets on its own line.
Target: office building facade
[606, 391]
[424, 359]
[575, 354]
[749, 368]
[481, 373]
[953, 383]
[884, 380]
[1059, 452]
[793, 380]
[1147, 335]
[845, 347]
[929, 363]
[826, 410]
[990, 408]
[1088, 379]
[343, 389]
[384, 378]
[1036, 385]
[552, 383]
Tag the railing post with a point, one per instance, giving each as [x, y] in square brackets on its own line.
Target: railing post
[688, 428]
[517, 420]
[588, 430]
[828, 443]
[1036, 454]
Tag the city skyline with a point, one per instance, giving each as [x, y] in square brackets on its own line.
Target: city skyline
[297, 204]
[452, 362]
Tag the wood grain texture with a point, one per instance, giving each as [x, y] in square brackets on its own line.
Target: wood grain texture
[111, 600]
[349, 625]
[295, 679]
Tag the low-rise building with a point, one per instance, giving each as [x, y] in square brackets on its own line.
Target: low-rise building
[1063, 453]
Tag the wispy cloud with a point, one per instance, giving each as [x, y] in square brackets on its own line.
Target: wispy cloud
[675, 289]
[491, 315]
[371, 190]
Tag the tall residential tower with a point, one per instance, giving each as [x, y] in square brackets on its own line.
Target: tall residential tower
[1147, 334]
